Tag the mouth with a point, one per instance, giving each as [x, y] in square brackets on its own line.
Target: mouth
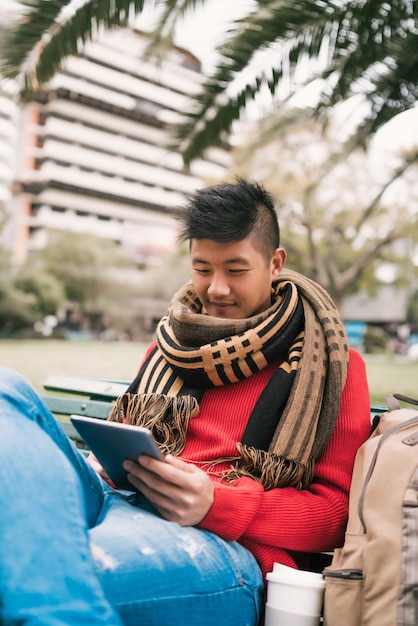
[221, 306]
[220, 303]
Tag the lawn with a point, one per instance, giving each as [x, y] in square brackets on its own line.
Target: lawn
[119, 360]
[37, 359]
[391, 374]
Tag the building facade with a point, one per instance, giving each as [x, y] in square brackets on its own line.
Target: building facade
[9, 116]
[92, 152]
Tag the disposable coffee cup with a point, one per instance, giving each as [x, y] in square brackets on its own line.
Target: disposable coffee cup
[297, 574]
[277, 617]
[295, 591]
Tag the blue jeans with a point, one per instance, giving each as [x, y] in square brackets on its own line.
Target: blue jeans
[75, 552]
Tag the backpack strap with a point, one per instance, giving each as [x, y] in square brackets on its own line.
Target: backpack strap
[393, 404]
[400, 396]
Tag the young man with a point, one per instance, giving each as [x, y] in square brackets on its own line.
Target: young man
[261, 407]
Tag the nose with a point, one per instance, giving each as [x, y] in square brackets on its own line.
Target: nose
[218, 286]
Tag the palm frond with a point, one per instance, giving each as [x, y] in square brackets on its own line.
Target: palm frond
[216, 109]
[37, 18]
[360, 46]
[366, 39]
[390, 83]
[369, 46]
[277, 24]
[51, 31]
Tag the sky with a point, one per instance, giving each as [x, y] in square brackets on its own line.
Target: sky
[205, 28]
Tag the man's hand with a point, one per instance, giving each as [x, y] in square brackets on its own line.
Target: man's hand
[179, 491]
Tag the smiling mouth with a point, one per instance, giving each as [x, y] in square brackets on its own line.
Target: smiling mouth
[221, 305]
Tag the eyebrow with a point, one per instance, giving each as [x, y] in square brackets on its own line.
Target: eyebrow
[234, 260]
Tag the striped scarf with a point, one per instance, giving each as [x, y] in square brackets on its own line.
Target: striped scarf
[295, 415]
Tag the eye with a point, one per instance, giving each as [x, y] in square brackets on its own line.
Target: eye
[236, 271]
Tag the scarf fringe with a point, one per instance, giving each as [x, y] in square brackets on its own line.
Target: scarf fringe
[269, 469]
[168, 417]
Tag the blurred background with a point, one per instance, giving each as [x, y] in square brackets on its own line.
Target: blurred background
[110, 117]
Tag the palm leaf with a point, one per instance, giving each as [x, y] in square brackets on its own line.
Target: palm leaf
[52, 31]
[277, 23]
[362, 46]
[370, 48]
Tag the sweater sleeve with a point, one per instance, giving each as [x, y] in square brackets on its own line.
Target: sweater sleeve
[309, 520]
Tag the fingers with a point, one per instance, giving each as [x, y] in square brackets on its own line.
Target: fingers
[157, 475]
[173, 471]
[180, 491]
[176, 462]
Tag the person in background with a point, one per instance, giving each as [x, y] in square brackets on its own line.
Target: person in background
[258, 403]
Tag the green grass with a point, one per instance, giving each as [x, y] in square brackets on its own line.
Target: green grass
[37, 359]
[391, 374]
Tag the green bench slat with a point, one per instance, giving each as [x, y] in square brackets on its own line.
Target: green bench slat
[68, 406]
[97, 396]
[94, 388]
[377, 409]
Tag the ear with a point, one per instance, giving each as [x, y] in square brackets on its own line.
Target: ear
[277, 262]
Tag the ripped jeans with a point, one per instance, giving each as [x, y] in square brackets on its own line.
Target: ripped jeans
[75, 552]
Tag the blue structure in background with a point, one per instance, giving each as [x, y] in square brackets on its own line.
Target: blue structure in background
[355, 332]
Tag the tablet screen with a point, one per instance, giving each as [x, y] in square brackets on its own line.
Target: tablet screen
[113, 442]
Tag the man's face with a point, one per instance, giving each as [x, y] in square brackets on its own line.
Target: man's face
[233, 280]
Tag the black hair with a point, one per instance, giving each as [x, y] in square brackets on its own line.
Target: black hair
[230, 212]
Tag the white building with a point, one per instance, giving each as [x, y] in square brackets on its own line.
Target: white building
[92, 154]
[9, 112]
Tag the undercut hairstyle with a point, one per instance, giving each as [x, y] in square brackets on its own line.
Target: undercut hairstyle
[230, 212]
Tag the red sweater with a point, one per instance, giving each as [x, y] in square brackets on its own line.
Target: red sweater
[275, 524]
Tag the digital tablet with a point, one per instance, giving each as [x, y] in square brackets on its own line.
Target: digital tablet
[113, 442]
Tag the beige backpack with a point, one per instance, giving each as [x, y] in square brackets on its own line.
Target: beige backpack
[373, 578]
